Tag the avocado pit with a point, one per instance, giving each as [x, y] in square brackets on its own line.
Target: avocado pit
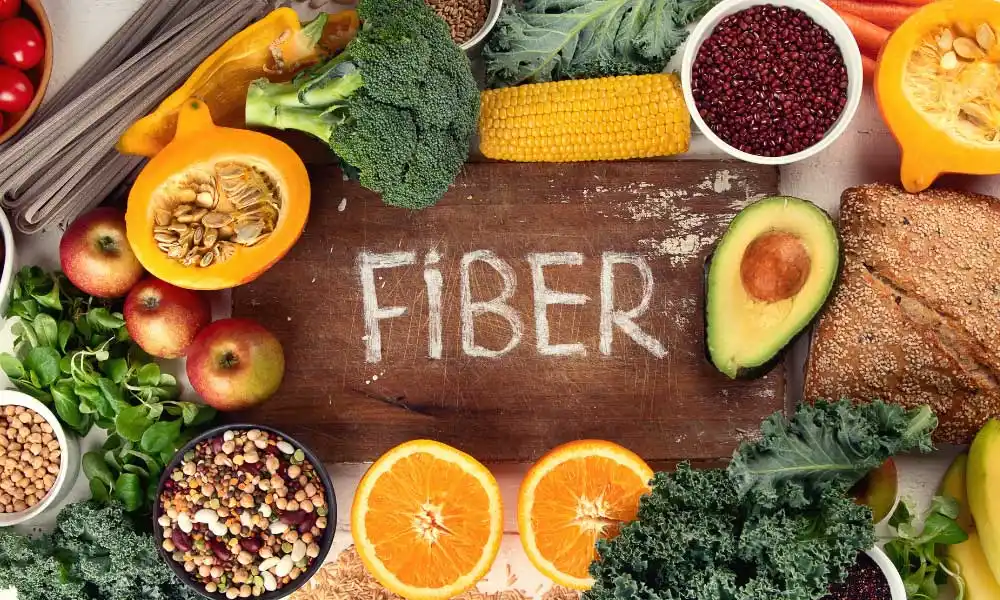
[775, 267]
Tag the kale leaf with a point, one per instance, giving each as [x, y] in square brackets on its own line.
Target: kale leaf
[95, 553]
[777, 525]
[549, 40]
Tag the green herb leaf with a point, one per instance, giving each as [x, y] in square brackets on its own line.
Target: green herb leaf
[939, 529]
[102, 318]
[129, 491]
[47, 330]
[11, 366]
[167, 380]
[136, 470]
[66, 330]
[99, 490]
[154, 467]
[112, 459]
[94, 467]
[50, 299]
[206, 414]
[149, 375]
[112, 393]
[132, 422]
[116, 369]
[160, 436]
[946, 505]
[155, 411]
[67, 406]
[901, 514]
[43, 362]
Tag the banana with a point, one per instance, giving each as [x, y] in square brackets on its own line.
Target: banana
[980, 582]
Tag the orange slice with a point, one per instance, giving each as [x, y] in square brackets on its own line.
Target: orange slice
[576, 494]
[427, 520]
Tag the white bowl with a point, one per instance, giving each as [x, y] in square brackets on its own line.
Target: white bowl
[496, 6]
[69, 459]
[825, 17]
[9, 263]
[896, 589]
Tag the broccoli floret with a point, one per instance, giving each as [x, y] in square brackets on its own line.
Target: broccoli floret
[399, 106]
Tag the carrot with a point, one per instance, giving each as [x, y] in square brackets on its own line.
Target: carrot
[868, 65]
[889, 16]
[870, 37]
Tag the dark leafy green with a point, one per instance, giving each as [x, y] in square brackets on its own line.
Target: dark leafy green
[73, 352]
[550, 40]
[770, 527]
[95, 553]
[916, 550]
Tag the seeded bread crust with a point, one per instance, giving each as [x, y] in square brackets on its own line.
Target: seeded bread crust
[916, 318]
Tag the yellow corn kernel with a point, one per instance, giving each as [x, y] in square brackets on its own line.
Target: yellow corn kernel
[612, 118]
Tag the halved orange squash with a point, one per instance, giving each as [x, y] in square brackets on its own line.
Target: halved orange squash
[218, 206]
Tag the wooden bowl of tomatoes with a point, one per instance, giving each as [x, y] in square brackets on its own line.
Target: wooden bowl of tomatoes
[25, 62]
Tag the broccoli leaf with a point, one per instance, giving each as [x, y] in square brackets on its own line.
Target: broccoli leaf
[549, 40]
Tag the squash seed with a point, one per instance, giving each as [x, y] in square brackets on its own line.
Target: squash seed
[949, 61]
[188, 218]
[162, 217]
[176, 252]
[199, 235]
[986, 37]
[165, 238]
[186, 196]
[206, 200]
[946, 40]
[216, 220]
[210, 237]
[968, 49]
[977, 114]
[207, 259]
[164, 247]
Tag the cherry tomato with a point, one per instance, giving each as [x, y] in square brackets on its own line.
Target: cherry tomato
[21, 44]
[9, 9]
[16, 91]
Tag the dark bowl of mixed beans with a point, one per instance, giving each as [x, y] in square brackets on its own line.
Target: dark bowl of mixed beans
[772, 82]
[245, 511]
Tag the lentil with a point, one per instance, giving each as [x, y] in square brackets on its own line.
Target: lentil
[865, 581]
[234, 537]
[464, 17]
[30, 458]
[770, 81]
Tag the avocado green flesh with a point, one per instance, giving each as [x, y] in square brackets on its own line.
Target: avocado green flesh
[743, 332]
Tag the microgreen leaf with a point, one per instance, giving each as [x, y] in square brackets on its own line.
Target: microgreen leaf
[939, 529]
[102, 318]
[116, 369]
[149, 375]
[946, 505]
[47, 330]
[44, 363]
[132, 422]
[99, 490]
[67, 406]
[65, 330]
[128, 490]
[95, 467]
[11, 366]
[160, 436]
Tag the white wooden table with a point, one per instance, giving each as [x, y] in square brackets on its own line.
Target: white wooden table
[865, 153]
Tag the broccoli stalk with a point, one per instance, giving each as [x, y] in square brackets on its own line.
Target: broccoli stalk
[398, 106]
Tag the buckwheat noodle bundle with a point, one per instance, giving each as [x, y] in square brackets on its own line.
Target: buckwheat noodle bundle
[66, 162]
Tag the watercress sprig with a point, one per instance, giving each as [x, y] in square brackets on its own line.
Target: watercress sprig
[73, 352]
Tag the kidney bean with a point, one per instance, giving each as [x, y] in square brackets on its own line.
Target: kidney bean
[250, 544]
[220, 550]
[293, 517]
[307, 523]
[181, 540]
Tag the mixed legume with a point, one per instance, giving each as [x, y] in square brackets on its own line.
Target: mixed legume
[770, 81]
[465, 17]
[29, 458]
[244, 513]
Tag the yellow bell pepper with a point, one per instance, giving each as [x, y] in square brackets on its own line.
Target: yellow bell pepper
[275, 47]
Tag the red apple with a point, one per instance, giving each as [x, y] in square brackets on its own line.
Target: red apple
[164, 319]
[235, 364]
[96, 256]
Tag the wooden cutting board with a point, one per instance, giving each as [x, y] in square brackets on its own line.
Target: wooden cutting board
[534, 305]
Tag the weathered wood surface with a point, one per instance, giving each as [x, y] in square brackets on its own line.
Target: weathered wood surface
[350, 402]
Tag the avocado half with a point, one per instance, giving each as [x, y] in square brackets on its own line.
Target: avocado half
[769, 276]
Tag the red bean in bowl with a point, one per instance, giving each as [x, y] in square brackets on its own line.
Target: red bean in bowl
[770, 81]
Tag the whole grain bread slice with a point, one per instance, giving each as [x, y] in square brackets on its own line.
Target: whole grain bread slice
[916, 318]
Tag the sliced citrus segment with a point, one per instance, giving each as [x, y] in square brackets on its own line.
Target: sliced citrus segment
[576, 494]
[427, 520]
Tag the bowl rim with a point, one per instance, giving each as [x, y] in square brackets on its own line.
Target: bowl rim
[896, 588]
[16, 398]
[325, 544]
[835, 26]
[36, 7]
[496, 7]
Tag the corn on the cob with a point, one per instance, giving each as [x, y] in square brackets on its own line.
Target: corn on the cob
[611, 118]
